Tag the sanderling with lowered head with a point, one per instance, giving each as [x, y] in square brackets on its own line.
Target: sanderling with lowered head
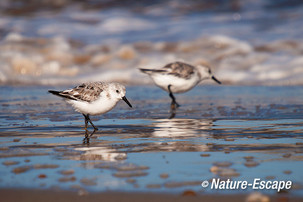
[93, 98]
[179, 77]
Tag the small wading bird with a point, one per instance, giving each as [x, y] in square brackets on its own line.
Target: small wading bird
[93, 98]
[179, 77]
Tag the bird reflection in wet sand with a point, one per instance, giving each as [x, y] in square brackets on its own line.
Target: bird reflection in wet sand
[179, 77]
[179, 129]
[182, 128]
[99, 153]
[93, 98]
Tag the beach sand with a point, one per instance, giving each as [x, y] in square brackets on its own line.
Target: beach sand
[221, 132]
[30, 195]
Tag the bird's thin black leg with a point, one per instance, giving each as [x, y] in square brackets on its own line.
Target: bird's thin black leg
[91, 123]
[95, 128]
[174, 103]
[86, 121]
[86, 141]
[172, 114]
[86, 138]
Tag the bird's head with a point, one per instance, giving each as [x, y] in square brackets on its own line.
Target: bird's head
[206, 73]
[118, 91]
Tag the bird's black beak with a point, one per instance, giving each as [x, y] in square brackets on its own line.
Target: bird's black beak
[125, 100]
[216, 80]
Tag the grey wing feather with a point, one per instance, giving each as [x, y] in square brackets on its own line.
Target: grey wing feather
[180, 69]
[87, 92]
[150, 71]
[59, 93]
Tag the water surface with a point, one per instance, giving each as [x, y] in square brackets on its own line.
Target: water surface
[245, 132]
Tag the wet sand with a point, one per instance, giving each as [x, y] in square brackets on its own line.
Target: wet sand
[226, 132]
[12, 195]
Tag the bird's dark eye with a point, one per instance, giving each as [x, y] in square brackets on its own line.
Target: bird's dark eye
[117, 91]
[209, 71]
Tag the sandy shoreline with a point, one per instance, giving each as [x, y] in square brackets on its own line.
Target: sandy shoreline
[239, 133]
[32, 195]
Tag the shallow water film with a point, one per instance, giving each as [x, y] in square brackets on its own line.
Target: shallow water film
[222, 132]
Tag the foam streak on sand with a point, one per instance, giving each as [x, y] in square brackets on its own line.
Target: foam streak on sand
[256, 42]
[58, 60]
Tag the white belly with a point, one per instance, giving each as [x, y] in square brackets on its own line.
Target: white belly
[178, 85]
[97, 107]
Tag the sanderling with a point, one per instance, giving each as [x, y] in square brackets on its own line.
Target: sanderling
[179, 77]
[93, 98]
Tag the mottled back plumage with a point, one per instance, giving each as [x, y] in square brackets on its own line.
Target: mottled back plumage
[87, 92]
[179, 69]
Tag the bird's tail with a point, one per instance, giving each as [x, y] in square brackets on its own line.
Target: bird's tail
[149, 71]
[55, 92]
[62, 94]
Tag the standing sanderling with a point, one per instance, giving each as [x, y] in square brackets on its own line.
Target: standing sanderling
[179, 77]
[93, 98]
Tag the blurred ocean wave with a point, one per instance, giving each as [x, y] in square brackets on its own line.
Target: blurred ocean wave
[69, 41]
